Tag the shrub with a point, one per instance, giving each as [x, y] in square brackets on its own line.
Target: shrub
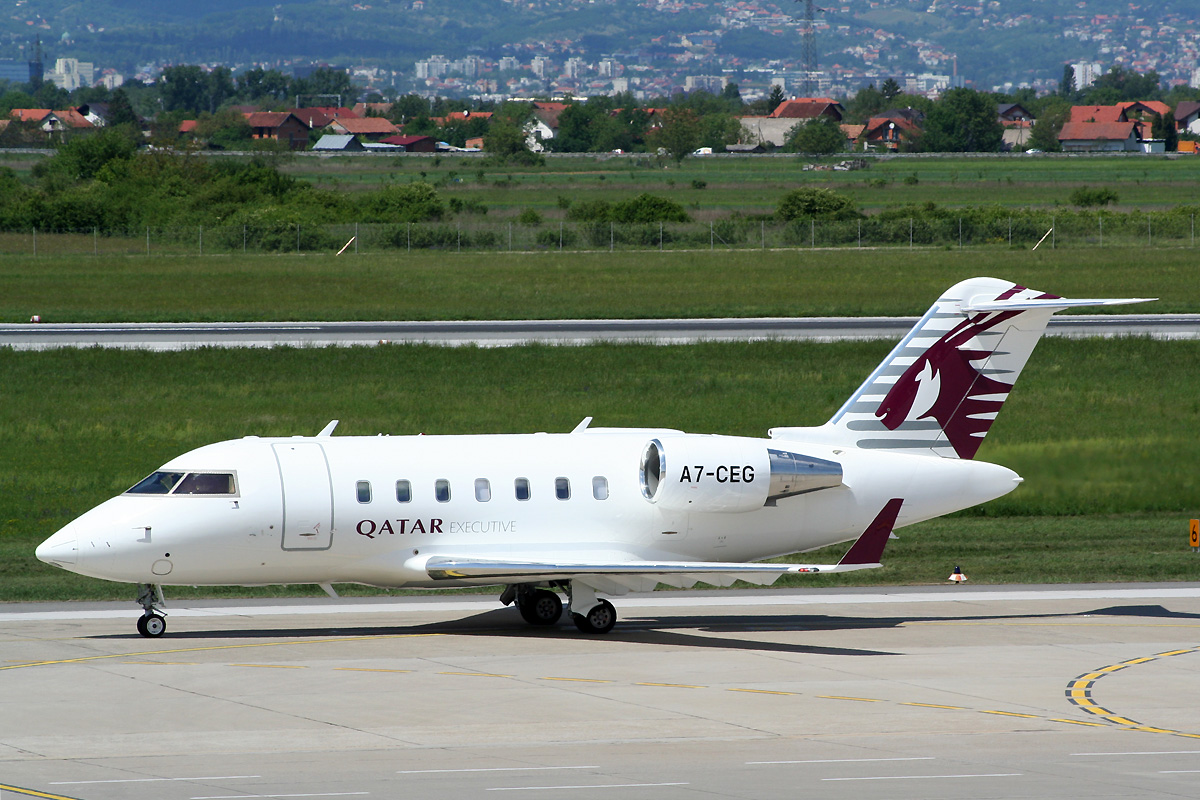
[1086, 197]
[529, 217]
[814, 203]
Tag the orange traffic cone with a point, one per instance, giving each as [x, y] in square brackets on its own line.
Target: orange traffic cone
[958, 576]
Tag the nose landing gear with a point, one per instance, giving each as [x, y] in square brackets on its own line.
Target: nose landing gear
[152, 623]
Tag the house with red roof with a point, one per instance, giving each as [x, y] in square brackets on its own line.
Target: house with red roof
[1118, 136]
[282, 126]
[806, 108]
[886, 133]
[413, 144]
[370, 128]
[1187, 116]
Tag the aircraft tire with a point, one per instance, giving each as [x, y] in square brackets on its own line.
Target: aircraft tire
[600, 619]
[151, 626]
[541, 607]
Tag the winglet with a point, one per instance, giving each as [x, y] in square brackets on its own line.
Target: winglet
[869, 547]
[328, 429]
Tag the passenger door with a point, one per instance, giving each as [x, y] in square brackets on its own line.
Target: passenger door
[307, 496]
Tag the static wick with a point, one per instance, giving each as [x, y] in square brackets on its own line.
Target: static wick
[1035, 247]
[352, 238]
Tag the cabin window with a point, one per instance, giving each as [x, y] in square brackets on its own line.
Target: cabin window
[441, 490]
[562, 488]
[600, 487]
[521, 485]
[158, 483]
[403, 492]
[483, 490]
[363, 490]
[207, 483]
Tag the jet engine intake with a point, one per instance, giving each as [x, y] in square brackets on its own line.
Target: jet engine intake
[727, 473]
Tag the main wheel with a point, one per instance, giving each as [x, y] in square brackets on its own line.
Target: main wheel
[151, 626]
[541, 607]
[600, 619]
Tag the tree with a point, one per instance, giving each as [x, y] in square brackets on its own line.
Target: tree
[823, 135]
[183, 88]
[889, 89]
[1066, 86]
[866, 103]
[504, 139]
[963, 121]
[1050, 120]
[120, 110]
[679, 134]
[776, 98]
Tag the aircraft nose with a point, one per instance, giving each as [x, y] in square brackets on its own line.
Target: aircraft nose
[61, 549]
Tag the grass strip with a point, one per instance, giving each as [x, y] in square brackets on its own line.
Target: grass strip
[1104, 432]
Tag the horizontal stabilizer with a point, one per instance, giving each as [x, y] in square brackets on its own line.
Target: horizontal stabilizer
[986, 303]
[869, 547]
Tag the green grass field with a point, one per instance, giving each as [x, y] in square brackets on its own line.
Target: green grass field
[754, 185]
[437, 285]
[1104, 431]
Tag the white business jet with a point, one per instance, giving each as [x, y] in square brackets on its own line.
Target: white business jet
[593, 512]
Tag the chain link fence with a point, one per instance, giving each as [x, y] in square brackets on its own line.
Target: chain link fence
[1022, 232]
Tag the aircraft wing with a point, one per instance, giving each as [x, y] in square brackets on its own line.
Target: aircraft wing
[620, 576]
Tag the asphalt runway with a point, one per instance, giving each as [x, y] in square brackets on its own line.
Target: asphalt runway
[937, 692]
[501, 333]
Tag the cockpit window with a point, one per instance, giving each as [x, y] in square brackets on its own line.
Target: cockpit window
[209, 483]
[206, 483]
[158, 483]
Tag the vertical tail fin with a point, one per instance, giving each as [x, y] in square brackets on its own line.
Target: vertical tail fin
[942, 386]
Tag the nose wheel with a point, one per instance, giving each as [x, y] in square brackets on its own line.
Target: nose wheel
[152, 623]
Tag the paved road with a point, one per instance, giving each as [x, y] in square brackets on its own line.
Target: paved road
[174, 336]
[936, 692]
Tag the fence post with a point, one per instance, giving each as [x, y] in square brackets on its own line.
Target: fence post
[560, 235]
[356, 238]
[764, 234]
[1100, 220]
[201, 240]
[1010, 232]
[910, 232]
[960, 233]
[147, 240]
[860, 233]
[612, 236]
[297, 237]
[95, 241]
[510, 237]
[35, 242]
[813, 242]
[243, 239]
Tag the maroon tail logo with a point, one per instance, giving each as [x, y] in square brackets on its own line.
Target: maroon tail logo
[947, 366]
[945, 370]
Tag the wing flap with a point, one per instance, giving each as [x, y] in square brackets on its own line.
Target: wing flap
[864, 554]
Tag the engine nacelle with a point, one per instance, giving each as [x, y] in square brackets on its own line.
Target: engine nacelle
[727, 473]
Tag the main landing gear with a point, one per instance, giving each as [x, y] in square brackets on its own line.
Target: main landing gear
[152, 623]
[542, 607]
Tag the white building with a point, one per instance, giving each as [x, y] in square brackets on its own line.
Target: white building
[71, 74]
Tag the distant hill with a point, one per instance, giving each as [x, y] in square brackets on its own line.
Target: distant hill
[994, 42]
